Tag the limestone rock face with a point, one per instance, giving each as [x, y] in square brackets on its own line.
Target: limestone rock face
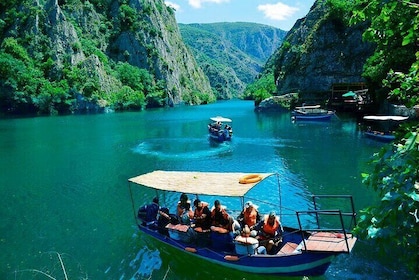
[158, 47]
[318, 51]
[278, 103]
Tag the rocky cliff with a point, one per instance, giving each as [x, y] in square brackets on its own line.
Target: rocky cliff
[79, 44]
[157, 46]
[319, 51]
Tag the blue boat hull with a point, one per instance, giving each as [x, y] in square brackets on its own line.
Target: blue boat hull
[379, 136]
[220, 137]
[307, 117]
[301, 264]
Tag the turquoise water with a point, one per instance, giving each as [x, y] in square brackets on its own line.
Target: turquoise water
[63, 186]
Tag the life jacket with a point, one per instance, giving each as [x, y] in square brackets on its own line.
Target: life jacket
[201, 221]
[219, 217]
[268, 229]
[250, 218]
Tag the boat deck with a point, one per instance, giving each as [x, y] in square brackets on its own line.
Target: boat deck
[330, 242]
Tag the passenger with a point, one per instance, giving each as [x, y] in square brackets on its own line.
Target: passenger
[246, 233]
[187, 215]
[249, 216]
[183, 200]
[163, 220]
[270, 232]
[148, 213]
[220, 220]
[202, 216]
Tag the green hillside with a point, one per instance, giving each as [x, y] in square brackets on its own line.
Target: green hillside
[231, 54]
[69, 56]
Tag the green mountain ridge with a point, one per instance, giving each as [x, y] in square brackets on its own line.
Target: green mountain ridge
[232, 55]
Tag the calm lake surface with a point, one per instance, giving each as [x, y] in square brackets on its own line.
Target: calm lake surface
[64, 189]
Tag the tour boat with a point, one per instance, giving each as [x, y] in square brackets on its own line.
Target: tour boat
[307, 249]
[311, 113]
[220, 129]
[380, 127]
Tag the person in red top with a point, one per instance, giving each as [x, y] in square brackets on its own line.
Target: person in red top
[270, 232]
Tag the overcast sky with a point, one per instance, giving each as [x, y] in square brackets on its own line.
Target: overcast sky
[278, 13]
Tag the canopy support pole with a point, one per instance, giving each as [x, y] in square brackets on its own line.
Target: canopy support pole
[132, 203]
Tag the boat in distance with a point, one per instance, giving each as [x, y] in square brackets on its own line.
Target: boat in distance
[312, 112]
[306, 250]
[220, 129]
[381, 126]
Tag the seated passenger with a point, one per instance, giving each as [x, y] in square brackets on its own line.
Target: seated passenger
[220, 220]
[183, 209]
[163, 221]
[249, 216]
[202, 216]
[270, 232]
[183, 200]
[148, 213]
[246, 244]
[187, 215]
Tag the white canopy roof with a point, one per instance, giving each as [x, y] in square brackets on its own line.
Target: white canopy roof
[385, 118]
[203, 183]
[220, 119]
[309, 107]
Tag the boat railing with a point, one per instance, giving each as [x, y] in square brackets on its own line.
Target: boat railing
[340, 230]
[342, 216]
[349, 200]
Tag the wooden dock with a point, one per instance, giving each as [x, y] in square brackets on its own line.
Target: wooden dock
[330, 242]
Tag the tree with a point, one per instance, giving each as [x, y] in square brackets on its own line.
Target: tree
[261, 89]
[394, 222]
[394, 29]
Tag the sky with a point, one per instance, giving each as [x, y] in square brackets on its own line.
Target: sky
[281, 14]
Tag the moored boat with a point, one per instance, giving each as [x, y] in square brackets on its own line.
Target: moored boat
[380, 127]
[313, 112]
[220, 129]
[304, 250]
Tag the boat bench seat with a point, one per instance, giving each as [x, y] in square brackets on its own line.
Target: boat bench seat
[179, 232]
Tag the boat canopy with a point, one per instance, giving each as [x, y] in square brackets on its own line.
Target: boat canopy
[385, 118]
[309, 107]
[220, 119]
[349, 94]
[203, 183]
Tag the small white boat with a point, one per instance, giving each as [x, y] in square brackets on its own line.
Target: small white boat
[313, 112]
[306, 250]
[220, 129]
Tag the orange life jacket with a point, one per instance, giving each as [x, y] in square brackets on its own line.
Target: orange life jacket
[198, 213]
[250, 218]
[268, 229]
